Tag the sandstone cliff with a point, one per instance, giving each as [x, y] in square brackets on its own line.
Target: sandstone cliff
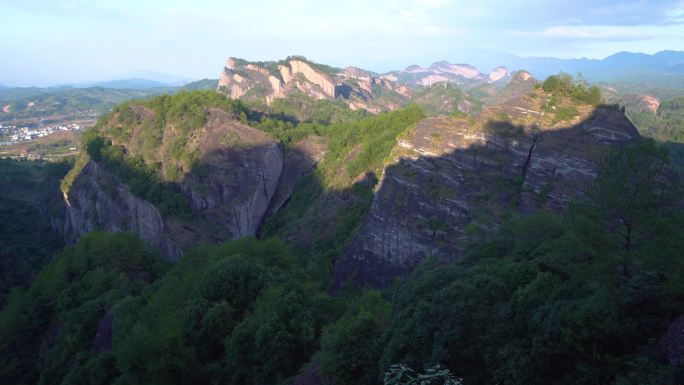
[268, 81]
[243, 175]
[98, 201]
[462, 75]
[242, 168]
[449, 174]
[465, 70]
[358, 88]
[498, 74]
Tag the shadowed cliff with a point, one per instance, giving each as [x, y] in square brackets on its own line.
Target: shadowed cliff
[239, 175]
[449, 184]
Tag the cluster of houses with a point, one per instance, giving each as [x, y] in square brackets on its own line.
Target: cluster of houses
[18, 134]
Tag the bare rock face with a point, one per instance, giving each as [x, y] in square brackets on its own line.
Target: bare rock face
[299, 160]
[229, 195]
[497, 74]
[413, 69]
[463, 75]
[99, 201]
[449, 173]
[520, 84]
[650, 102]
[243, 167]
[324, 81]
[275, 80]
[240, 79]
[465, 70]
[362, 78]
[355, 73]
[233, 81]
[429, 80]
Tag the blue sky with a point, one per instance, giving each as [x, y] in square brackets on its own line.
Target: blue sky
[60, 41]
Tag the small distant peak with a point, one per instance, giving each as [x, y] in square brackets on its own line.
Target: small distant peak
[465, 70]
[498, 73]
[440, 63]
[412, 69]
[301, 58]
[443, 64]
[355, 72]
[522, 75]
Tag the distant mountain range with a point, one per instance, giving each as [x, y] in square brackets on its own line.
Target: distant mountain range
[137, 80]
[132, 83]
[664, 68]
[462, 87]
[57, 102]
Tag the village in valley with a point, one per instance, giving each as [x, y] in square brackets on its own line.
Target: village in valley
[42, 138]
[13, 133]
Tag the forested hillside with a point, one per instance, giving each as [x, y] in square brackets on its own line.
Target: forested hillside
[548, 236]
[29, 198]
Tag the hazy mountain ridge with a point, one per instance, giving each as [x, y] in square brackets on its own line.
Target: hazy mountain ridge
[499, 204]
[130, 83]
[663, 68]
[359, 88]
[445, 174]
[61, 104]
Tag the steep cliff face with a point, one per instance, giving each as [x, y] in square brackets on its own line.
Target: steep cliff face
[498, 74]
[97, 200]
[268, 81]
[241, 176]
[359, 88]
[520, 84]
[317, 78]
[235, 82]
[242, 167]
[298, 161]
[449, 174]
[465, 70]
[463, 75]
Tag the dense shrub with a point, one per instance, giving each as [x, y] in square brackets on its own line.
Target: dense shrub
[566, 86]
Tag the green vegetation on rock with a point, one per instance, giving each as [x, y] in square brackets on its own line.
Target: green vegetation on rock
[564, 85]
[577, 296]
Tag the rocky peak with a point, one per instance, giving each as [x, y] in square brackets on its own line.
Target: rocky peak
[412, 69]
[520, 84]
[650, 102]
[497, 74]
[268, 81]
[355, 73]
[231, 63]
[448, 173]
[523, 76]
[465, 70]
[243, 176]
[316, 77]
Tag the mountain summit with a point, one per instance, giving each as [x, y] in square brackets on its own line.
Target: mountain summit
[358, 88]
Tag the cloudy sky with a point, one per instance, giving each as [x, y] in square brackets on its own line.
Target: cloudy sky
[60, 41]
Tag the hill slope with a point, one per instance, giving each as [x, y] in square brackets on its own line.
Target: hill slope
[524, 275]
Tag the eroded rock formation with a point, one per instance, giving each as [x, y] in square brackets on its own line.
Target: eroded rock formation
[449, 174]
[244, 176]
[99, 201]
